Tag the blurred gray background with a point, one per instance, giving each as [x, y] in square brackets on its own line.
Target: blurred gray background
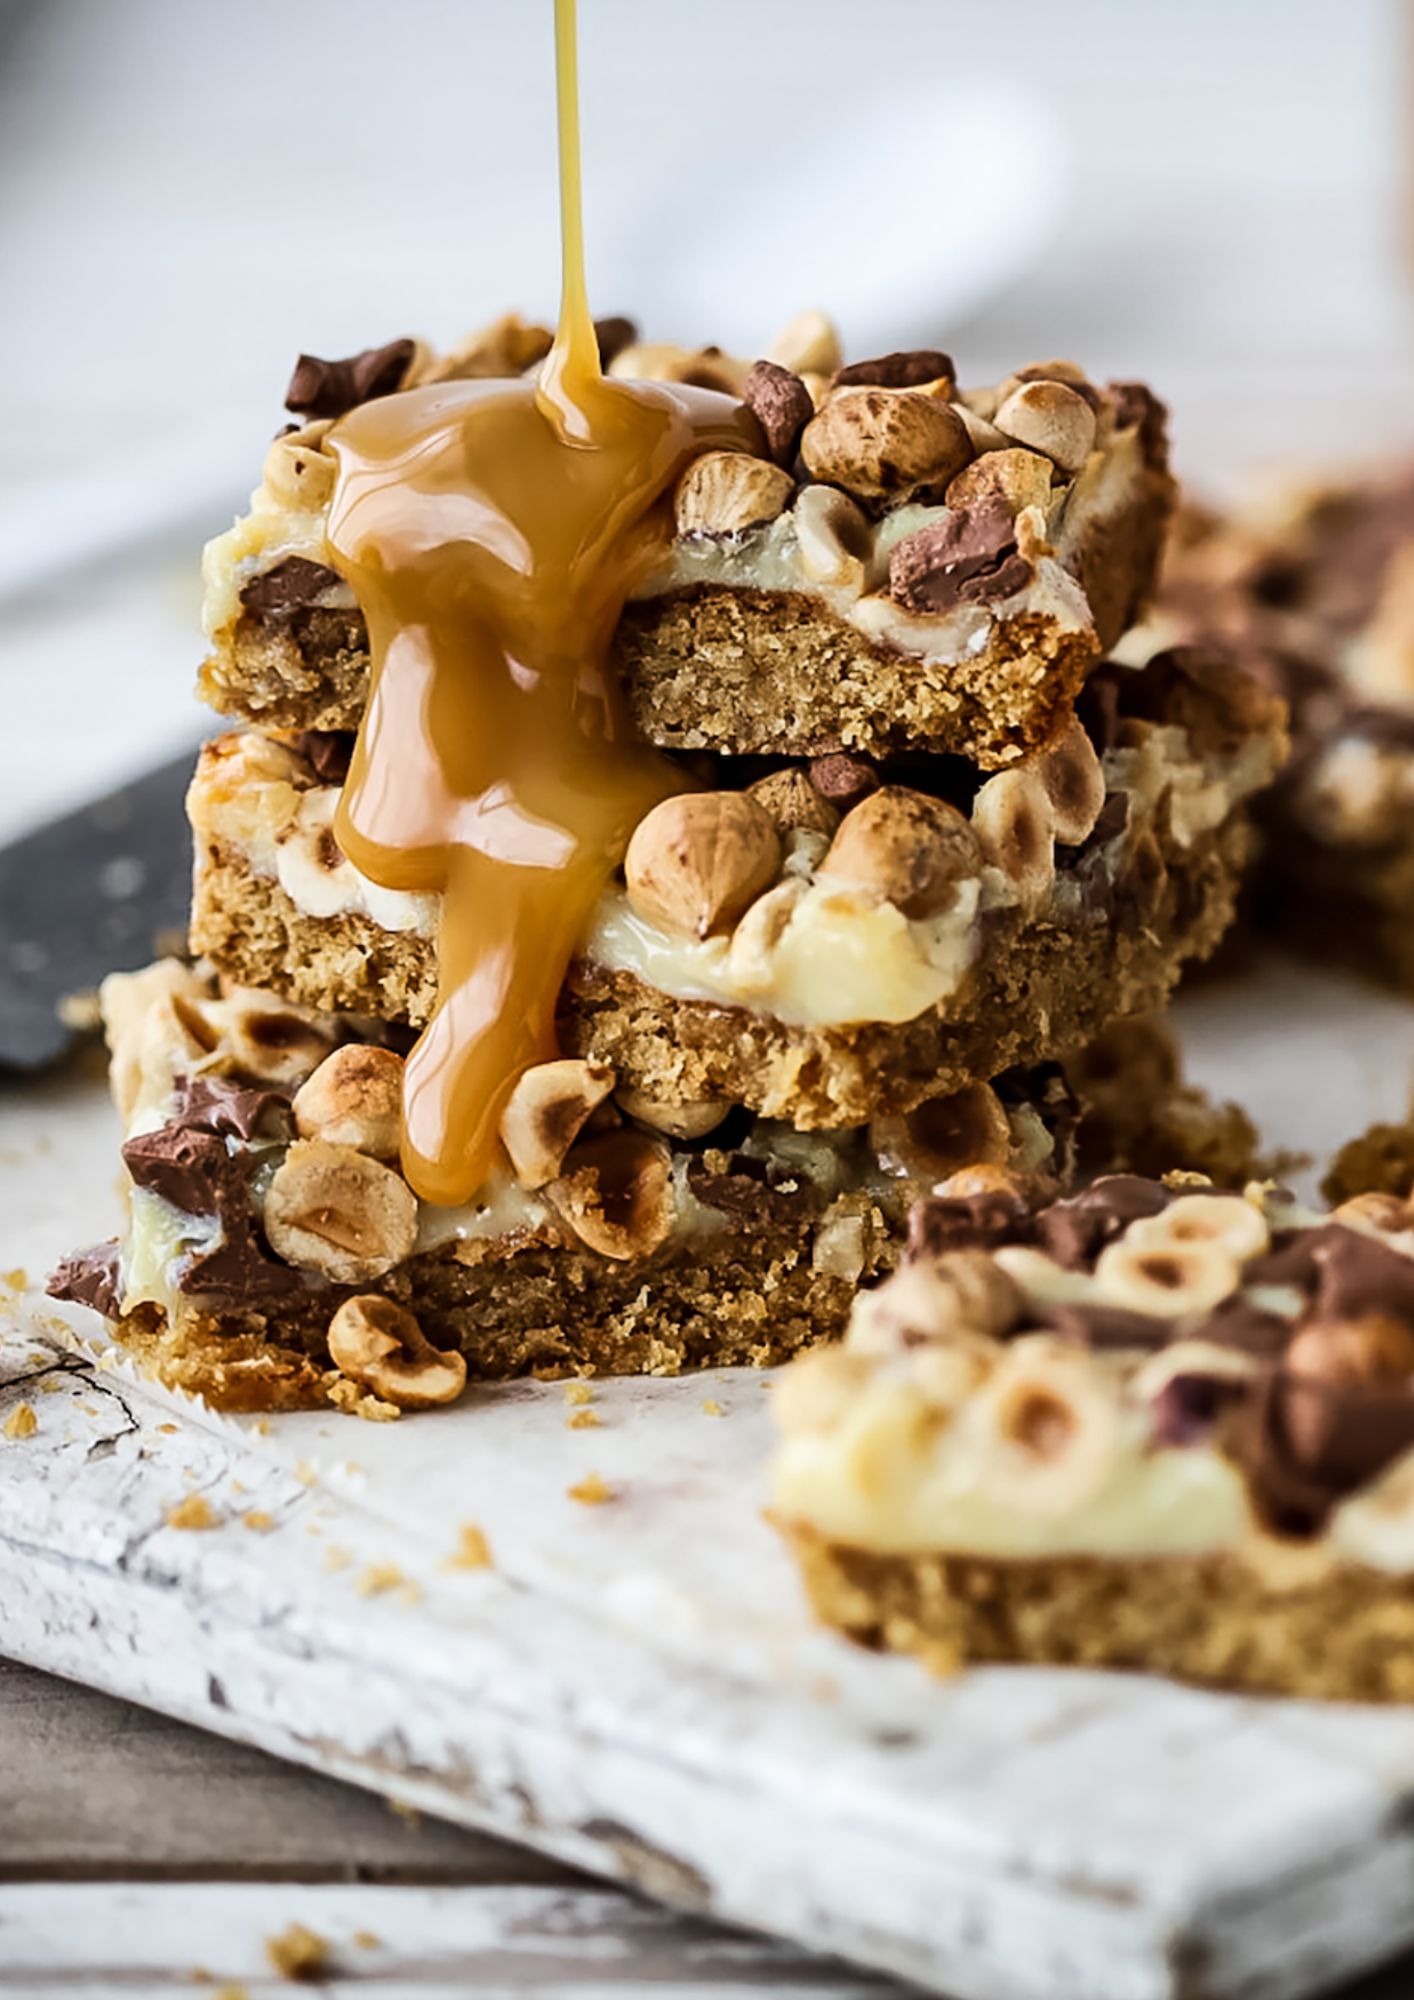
[1213, 196]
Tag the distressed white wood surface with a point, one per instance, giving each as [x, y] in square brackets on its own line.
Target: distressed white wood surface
[635, 1687]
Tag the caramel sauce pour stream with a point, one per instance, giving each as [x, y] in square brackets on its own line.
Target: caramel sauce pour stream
[492, 532]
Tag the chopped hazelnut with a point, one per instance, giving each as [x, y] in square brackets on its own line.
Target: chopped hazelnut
[727, 492]
[1170, 1279]
[1014, 820]
[834, 537]
[382, 1347]
[944, 1134]
[1017, 478]
[547, 1111]
[697, 861]
[354, 1098]
[1074, 783]
[791, 800]
[332, 1210]
[911, 848]
[678, 1121]
[1052, 419]
[616, 1194]
[807, 344]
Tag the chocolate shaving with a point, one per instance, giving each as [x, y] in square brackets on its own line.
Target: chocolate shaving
[274, 595]
[970, 554]
[328, 752]
[332, 388]
[781, 404]
[91, 1278]
[907, 368]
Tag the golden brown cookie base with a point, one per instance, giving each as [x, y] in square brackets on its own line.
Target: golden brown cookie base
[1348, 1635]
[757, 671]
[1038, 992]
[736, 1299]
[732, 670]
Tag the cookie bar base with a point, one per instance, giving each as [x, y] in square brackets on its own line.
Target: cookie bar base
[1033, 996]
[1042, 994]
[1346, 1635]
[745, 1300]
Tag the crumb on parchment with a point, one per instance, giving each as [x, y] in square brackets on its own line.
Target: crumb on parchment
[21, 1422]
[298, 1953]
[591, 1491]
[376, 1578]
[582, 1420]
[711, 1407]
[578, 1392]
[473, 1551]
[193, 1512]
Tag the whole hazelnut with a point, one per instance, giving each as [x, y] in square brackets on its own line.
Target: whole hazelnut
[886, 445]
[1052, 419]
[913, 849]
[354, 1098]
[697, 861]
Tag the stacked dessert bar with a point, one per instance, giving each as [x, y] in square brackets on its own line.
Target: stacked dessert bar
[926, 840]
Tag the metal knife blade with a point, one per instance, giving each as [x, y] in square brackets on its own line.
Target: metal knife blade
[88, 894]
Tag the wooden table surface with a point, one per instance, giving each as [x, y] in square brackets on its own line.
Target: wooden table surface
[137, 1854]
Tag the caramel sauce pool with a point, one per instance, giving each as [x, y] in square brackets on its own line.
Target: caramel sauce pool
[492, 532]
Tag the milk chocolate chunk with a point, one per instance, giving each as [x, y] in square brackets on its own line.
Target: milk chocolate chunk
[189, 1169]
[90, 1278]
[966, 1222]
[1306, 1444]
[219, 1105]
[969, 555]
[746, 1188]
[613, 334]
[781, 404]
[842, 779]
[1135, 404]
[1356, 1274]
[907, 368]
[1074, 1232]
[332, 388]
[236, 1271]
[273, 596]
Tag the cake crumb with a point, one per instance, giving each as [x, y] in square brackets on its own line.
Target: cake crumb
[18, 1279]
[193, 1512]
[578, 1392]
[262, 1427]
[21, 1422]
[168, 1430]
[336, 1558]
[298, 1953]
[582, 1420]
[49, 1387]
[258, 1521]
[377, 1578]
[352, 1401]
[367, 1940]
[711, 1407]
[591, 1491]
[473, 1551]
[306, 1474]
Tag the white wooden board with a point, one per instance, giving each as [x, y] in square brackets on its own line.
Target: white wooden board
[636, 1687]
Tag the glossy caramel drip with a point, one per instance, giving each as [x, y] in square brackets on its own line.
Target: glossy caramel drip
[491, 532]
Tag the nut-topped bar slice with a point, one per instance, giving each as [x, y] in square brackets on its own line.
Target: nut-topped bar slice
[905, 566]
[275, 1254]
[820, 941]
[1150, 1425]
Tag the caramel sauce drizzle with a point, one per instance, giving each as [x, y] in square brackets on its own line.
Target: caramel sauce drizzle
[492, 532]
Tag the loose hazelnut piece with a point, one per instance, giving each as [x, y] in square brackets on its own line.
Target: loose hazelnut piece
[508, 346]
[726, 492]
[1349, 1352]
[1170, 1280]
[912, 849]
[944, 1134]
[617, 1196]
[983, 432]
[886, 445]
[986, 1178]
[275, 1040]
[547, 1111]
[679, 1121]
[1052, 419]
[751, 959]
[381, 1346]
[834, 537]
[1074, 783]
[332, 1210]
[696, 862]
[700, 368]
[1235, 1224]
[1067, 372]
[298, 475]
[1014, 820]
[781, 404]
[807, 344]
[355, 1099]
[1015, 477]
[791, 800]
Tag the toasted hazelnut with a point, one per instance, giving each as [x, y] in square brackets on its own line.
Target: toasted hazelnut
[807, 344]
[1232, 1222]
[791, 800]
[354, 1098]
[617, 1194]
[1376, 1214]
[751, 959]
[981, 430]
[547, 1111]
[332, 1210]
[886, 445]
[726, 492]
[508, 346]
[298, 474]
[913, 849]
[834, 537]
[988, 1177]
[697, 861]
[1015, 477]
[145, 1018]
[382, 1347]
[1013, 818]
[939, 1298]
[275, 1040]
[1068, 372]
[969, 1128]
[699, 368]
[1170, 1280]
[1374, 1348]
[1055, 1421]
[1074, 783]
[1051, 419]
[678, 1121]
